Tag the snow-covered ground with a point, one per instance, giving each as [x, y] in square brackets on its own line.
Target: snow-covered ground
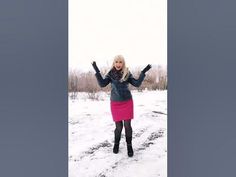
[91, 135]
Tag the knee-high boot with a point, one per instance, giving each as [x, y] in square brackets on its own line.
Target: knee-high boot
[116, 143]
[128, 135]
[117, 134]
[129, 146]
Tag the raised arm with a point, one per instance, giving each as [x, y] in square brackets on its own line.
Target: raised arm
[138, 82]
[103, 82]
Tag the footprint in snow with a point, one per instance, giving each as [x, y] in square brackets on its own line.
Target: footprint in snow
[94, 149]
[158, 112]
[149, 141]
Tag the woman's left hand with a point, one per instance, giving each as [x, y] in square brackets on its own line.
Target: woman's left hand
[146, 68]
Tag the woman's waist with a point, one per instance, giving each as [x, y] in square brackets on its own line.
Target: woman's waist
[120, 97]
[121, 100]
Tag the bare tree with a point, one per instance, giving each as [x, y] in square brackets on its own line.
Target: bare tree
[73, 83]
[156, 79]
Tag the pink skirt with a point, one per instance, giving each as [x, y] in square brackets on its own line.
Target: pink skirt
[122, 110]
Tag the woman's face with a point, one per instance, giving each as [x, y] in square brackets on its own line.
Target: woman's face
[118, 64]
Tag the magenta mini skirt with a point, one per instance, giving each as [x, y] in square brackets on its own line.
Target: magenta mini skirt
[122, 110]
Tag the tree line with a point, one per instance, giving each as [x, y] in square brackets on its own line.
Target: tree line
[156, 79]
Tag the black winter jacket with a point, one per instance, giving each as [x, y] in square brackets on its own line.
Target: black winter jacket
[119, 90]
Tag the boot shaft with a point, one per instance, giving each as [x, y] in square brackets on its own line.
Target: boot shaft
[117, 137]
[128, 140]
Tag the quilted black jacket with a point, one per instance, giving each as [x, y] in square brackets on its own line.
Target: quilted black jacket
[119, 90]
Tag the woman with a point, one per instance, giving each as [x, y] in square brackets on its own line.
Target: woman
[121, 101]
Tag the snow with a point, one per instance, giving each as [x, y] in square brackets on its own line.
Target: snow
[91, 134]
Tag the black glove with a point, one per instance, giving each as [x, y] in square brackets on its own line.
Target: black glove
[95, 67]
[146, 68]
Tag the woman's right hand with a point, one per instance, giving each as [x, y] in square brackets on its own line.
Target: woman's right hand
[95, 67]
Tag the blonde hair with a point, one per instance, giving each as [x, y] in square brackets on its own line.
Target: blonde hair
[124, 70]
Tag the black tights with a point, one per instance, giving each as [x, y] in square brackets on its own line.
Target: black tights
[128, 130]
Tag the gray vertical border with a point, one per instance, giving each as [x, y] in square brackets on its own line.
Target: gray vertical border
[33, 88]
[201, 95]
[201, 92]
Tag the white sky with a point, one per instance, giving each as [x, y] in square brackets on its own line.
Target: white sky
[101, 29]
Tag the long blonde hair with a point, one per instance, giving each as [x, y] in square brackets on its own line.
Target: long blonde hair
[124, 70]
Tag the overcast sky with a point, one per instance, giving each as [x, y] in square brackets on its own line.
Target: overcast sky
[101, 29]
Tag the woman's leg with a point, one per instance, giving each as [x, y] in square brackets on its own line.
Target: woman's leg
[128, 135]
[128, 130]
[117, 132]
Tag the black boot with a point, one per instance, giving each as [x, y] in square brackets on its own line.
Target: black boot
[116, 148]
[116, 143]
[130, 150]
[117, 133]
[129, 146]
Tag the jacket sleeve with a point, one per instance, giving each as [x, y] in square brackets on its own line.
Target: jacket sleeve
[102, 82]
[136, 82]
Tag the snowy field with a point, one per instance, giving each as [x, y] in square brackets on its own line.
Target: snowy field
[91, 136]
